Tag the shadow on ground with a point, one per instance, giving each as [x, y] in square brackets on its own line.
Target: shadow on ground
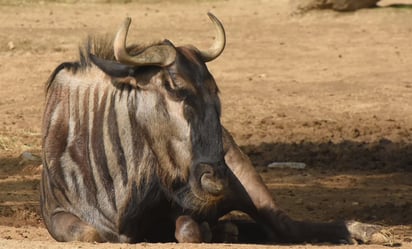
[398, 6]
[347, 155]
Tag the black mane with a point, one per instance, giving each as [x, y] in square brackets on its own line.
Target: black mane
[100, 46]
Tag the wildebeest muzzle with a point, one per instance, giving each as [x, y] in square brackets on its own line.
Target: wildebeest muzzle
[212, 178]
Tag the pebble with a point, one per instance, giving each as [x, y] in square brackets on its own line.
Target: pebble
[290, 165]
[10, 45]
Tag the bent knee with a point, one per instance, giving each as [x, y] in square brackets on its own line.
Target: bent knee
[68, 227]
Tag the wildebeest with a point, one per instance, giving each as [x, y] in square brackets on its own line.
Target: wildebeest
[134, 150]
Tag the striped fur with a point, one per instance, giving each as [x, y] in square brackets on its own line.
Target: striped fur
[112, 151]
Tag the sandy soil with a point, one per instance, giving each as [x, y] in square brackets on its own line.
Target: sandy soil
[332, 90]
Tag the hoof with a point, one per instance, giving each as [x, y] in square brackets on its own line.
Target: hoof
[187, 230]
[225, 232]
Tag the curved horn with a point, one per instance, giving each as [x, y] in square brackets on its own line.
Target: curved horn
[217, 48]
[159, 55]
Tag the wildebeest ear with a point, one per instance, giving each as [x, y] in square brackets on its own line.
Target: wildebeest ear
[112, 68]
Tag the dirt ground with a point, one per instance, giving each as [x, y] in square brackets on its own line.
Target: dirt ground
[331, 90]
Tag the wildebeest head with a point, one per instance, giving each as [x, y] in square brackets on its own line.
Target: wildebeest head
[179, 110]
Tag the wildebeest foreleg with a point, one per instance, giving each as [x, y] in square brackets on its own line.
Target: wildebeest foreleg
[68, 227]
[279, 225]
[189, 231]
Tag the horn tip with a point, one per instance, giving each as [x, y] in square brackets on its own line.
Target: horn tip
[128, 20]
[211, 15]
[215, 20]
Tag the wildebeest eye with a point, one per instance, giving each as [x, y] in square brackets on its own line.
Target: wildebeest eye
[175, 92]
[168, 86]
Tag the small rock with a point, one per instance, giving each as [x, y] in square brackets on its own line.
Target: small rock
[290, 165]
[28, 157]
[298, 201]
[10, 45]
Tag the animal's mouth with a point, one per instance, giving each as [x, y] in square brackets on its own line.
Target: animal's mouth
[206, 187]
[202, 193]
[210, 179]
[196, 200]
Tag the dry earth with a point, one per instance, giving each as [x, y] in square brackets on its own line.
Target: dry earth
[332, 90]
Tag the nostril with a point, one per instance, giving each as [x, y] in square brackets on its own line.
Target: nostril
[212, 184]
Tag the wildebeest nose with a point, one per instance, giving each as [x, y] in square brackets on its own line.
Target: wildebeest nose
[213, 181]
